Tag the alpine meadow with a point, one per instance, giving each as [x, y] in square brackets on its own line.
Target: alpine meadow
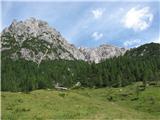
[80, 60]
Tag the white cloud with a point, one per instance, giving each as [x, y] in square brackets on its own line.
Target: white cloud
[138, 19]
[97, 13]
[132, 43]
[97, 35]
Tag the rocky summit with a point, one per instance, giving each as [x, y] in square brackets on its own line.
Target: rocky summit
[35, 40]
[102, 52]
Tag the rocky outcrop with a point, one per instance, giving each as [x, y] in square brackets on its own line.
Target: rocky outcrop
[102, 52]
[35, 40]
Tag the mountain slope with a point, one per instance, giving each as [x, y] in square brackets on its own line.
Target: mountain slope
[35, 40]
[146, 50]
[102, 52]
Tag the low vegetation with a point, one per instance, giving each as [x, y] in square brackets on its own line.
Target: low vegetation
[88, 103]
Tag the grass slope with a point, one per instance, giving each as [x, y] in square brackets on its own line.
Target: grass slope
[106, 103]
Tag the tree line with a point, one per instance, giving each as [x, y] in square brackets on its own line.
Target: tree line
[22, 75]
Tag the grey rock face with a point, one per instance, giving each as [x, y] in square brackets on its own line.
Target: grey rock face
[102, 52]
[35, 40]
[30, 39]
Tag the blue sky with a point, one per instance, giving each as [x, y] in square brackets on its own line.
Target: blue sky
[90, 24]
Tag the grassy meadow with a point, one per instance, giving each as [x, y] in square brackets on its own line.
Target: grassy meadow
[98, 104]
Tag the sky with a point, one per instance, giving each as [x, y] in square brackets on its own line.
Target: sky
[91, 23]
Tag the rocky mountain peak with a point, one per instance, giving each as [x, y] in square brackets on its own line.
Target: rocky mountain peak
[102, 52]
[35, 40]
[33, 28]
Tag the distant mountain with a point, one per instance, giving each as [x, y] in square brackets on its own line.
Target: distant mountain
[102, 52]
[34, 40]
[146, 50]
[36, 56]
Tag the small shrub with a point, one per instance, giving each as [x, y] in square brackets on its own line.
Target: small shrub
[135, 98]
[10, 106]
[22, 109]
[152, 83]
[110, 98]
[25, 109]
[141, 87]
[20, 100]
[62, 94]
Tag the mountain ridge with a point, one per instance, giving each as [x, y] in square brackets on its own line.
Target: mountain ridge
[22, 50]
[148, 50]
[35, 40]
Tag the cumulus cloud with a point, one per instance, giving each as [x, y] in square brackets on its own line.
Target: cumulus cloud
[132, 43]
[97, 35]
[138, 19]
[97, 13]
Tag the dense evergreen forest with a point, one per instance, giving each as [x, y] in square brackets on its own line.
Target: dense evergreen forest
[22, 75]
